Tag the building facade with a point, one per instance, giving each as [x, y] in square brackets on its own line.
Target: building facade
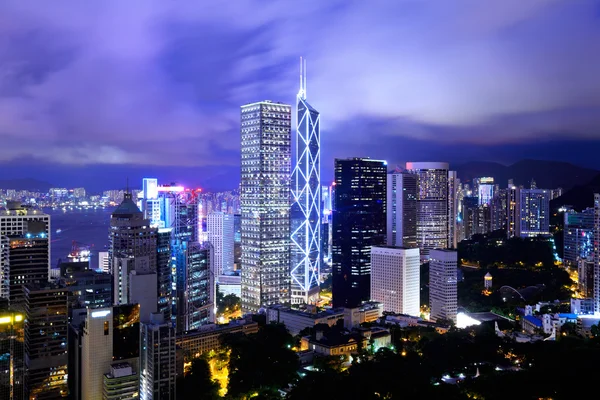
[265, 201]
[157, 360]
[305, 213]
[443, 290]
[46, 323]
[220, 236]
[432, 205]
[359, 222]
[578, 236]
[402, 210]
[15, 222]
[395, 279]
[96, 352]
[534, 213]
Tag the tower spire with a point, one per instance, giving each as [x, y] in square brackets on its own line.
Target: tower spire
[302, 91]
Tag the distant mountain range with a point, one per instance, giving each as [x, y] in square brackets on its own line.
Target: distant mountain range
[547, 174]
[580, 197]
[25, 184]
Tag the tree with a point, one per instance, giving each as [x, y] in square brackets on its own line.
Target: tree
[261, 363]
[197, 384]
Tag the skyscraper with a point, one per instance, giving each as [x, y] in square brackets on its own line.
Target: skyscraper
[265, 202]
[453, 184]
[395, 279]
[534, 213]
[157, 360]
[596, 253]
[485, 190]
[443, 269]
[402, 210]
[195, 288]
[133, 247]
[359, 222]
[220, 236]
[306, 197]
[46, 341]
[14, 223]
[578, 236]
[432, 205]
[97, 351]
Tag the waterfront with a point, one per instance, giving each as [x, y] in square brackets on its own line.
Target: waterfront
[87, 227]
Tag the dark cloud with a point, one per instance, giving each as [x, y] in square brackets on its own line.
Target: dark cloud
[160, 83]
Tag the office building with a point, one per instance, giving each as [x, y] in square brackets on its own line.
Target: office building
[585, 276]
[470, 211]
[485, 190]
[46, 342]
[265, 201]
[432, 205]
[16, 222]
[237, 241]
[157, 359]
[12, 361]
[402, 210]
[326, 228]
[96, 352]
[121, 383]
[133, 247]
[443, 291]
[395, 279]
[498, 210]
[164, 266]
[150, 204]
[296, 321]
[305, 213]
[513, 217]
[195, 293]
[596, 253]
[578, 236]
[88, 289]
[103, 262]
[220, 236]
[27, 255]
[534, 213]
[359, 222]
[453, 187]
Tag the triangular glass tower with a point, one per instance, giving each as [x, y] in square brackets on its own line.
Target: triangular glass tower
[306, 201]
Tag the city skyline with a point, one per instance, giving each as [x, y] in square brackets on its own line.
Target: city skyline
[512, 87]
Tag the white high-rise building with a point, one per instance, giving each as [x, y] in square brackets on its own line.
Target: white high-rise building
[220, 236]
[443, 290]
[402, 210]
[96, 351]
[265, 201]
[395, 279]
[432, 205]
[103, 262]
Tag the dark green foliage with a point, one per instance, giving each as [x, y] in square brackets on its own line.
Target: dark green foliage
[197, 384]
[227, 303]
[261, 363]
[486, 251]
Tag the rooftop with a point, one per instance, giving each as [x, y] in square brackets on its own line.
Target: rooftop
[127, 208]
[533, 320]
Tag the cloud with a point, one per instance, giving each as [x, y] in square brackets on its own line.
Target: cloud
[152, 82]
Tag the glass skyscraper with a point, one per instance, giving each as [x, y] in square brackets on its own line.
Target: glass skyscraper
[306, 207]
[265, 202]
[359, 222]
[432, 205]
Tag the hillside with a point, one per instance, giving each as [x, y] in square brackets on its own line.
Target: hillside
[580, 197]
[547, 174]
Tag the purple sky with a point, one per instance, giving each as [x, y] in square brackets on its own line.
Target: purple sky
[141, 85]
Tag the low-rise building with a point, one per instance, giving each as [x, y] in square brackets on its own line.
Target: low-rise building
[531, 324]
[346, 343]
[296, 320]
[208, 337]
[582, 306]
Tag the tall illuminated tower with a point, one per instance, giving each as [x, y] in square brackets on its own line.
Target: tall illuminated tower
[265, 202]
[305, 253]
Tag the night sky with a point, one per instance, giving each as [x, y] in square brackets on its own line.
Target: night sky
[93, 92]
